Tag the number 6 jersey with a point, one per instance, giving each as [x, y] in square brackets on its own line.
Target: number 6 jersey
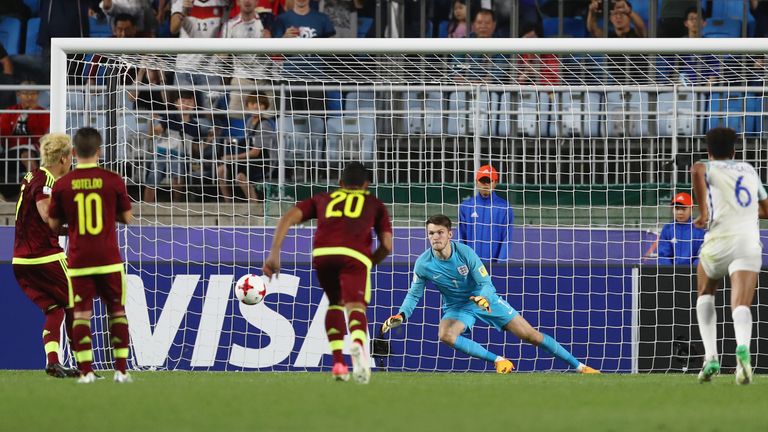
[734, 188]
[89, 199]
[345, 218]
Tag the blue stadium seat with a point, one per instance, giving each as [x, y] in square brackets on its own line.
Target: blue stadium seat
[580, 114]
[726, 110]
[461, 124]
[414, 120]
[303, 136]
[99, 28]
[685, 123]
[31, 47]
[531, 121]
[442, 29]
[10, 34]
[34, 6]
[755, 105]
[572, 27]
[433, 120]
[353, 135]
[722, 28]
[626, 114]
[364, 25]
[733, 9]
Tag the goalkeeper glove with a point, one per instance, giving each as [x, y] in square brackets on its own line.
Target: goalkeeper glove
[392, 322]
[481, 302]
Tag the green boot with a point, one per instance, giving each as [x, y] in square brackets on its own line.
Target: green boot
[710, 368]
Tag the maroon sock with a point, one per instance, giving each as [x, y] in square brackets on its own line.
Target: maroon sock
[358, 326]
[118, 330]
[336, 328]
[52, 333]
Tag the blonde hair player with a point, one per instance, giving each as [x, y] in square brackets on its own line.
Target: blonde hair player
[731, 198]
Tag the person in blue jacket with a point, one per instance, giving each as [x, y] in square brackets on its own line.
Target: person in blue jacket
[680, 241]
[485, 220]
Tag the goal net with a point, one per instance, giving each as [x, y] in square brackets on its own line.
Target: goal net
[591, 138]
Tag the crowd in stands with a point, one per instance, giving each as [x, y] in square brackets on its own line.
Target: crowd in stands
[27, 26]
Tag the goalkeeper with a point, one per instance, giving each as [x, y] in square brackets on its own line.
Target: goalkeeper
[468, 294]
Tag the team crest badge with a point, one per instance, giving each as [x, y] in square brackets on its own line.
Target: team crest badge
[463, 270]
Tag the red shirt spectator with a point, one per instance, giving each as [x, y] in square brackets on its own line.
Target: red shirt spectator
[24, 129]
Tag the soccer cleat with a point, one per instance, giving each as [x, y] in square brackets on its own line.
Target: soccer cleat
[88, 378]
[361, 363]
[57, 370]
[122, 377]
[710, 368]
[744, 365]
[340, 372]
[584, 369]
[504, 366]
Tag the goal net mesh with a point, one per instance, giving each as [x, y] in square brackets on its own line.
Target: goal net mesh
[590, 149]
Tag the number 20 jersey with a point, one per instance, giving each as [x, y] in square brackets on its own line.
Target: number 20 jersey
[89, 199]
[734, 188]
[345, 218]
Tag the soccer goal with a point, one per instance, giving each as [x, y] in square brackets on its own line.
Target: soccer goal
[592, 138]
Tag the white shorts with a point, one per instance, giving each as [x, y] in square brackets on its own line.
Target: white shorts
[726, 255]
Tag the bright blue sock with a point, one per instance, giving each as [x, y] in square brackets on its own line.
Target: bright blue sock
[470, 347]
[558, 351]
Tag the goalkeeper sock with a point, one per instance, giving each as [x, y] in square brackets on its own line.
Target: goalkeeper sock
[118, 329]
[335, 329]
[558, 351]
[707, 318]
[81, 336]
[472, 348]
[358, 326]
[52, 333]
[742, 325]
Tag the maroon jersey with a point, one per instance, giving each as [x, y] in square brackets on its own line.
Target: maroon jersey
[89, 199]
[34, 239]
[345, 218]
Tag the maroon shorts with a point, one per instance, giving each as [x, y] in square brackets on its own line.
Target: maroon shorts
[45, 284]
[109, 286]
[344, 279]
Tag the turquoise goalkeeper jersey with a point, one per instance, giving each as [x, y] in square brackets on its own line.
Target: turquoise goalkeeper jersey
[457, 278]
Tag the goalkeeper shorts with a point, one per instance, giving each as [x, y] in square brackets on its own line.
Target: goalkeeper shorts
[500, 315]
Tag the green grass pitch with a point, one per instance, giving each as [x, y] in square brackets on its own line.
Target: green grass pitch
[392, 402]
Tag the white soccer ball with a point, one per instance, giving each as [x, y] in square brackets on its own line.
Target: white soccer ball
[250, 289]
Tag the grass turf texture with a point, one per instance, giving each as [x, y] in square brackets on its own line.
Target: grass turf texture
[240, 401]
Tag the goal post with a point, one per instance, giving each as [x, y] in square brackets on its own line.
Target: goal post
[592, 138]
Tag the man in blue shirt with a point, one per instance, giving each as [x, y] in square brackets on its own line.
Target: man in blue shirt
[485, 220]
[680, 241]
[303, 22]
[468, 295]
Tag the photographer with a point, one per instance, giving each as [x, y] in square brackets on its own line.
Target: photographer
[622, 18]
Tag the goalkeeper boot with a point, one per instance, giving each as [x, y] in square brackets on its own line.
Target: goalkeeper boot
[744, 365]
[340, 372]
[361, 363]
[584, 369]
[504, 366]
[88, 378]
[122, 377]
[710, 368]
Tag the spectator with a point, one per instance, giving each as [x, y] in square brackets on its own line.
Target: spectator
[246, 25]
[672, 15]
[248, 160]
[124, 26]
[303, 22]
[140, 10]
[485, 220]
[622, 18]
[198, 19]
[480, 67]
[174, 136]
[693, 23]
[6, 76]
[759, 9]
[538, 68]
[457, 28]
[343, 15]
[21, 134]
[151, 99]
[679, 242]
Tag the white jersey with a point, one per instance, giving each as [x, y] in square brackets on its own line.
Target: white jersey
[733, 189]
[237, 28]
[204, 21]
